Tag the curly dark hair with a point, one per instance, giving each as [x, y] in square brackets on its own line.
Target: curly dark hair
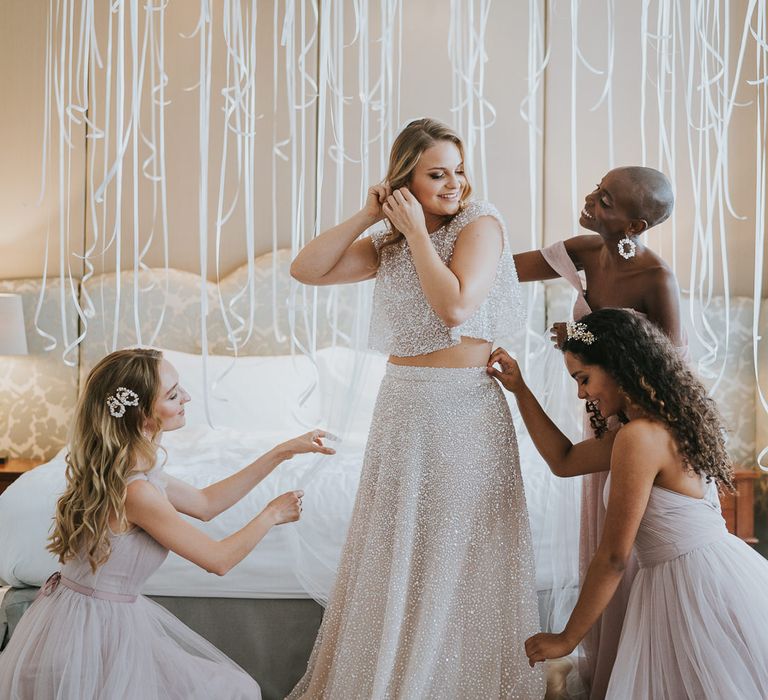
[648, 369]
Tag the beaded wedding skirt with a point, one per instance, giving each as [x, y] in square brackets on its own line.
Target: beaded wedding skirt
[435, 591]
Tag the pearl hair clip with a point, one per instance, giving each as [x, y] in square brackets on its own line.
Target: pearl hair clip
[580, 332]
[123, 397]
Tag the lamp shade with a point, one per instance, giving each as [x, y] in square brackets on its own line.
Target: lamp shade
[13, 335]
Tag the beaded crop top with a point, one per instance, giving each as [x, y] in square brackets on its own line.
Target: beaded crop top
[402, 321]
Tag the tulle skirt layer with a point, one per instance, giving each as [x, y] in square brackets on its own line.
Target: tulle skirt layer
[434, 596]
[696, 627]
[70, 646]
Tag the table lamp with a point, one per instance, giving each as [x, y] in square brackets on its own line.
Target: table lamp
[13, 335]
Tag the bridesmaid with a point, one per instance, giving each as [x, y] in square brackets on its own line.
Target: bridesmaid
[697, 613]
[620, 272]
[90, 634]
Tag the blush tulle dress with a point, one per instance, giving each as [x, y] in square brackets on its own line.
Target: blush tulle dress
[696, 624]
[599, 646]
[91, 636]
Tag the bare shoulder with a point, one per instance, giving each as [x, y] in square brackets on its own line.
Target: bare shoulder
[661, 275]
[480, 231]
[143, 494]
[661, 286]
[484, 223]
[645, 436]
[583, 242]
[583, 246]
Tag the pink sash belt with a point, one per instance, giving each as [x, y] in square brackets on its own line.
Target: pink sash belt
[55, 579]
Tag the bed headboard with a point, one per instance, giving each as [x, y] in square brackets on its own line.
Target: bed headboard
[180, 307]
[40, 391]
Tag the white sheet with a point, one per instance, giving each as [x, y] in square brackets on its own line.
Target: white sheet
[283, 565]
[200, 456]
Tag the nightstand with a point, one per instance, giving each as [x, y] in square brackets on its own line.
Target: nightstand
[739, 508]
[14, 468]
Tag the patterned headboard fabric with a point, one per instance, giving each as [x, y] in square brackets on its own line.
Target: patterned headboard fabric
[179, 308]
[39, 391]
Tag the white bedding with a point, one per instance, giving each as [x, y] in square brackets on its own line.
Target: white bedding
[200, 456]
[293, 561]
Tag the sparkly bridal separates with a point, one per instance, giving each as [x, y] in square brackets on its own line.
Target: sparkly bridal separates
[434, 596]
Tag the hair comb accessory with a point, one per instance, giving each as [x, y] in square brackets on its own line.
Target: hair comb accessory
[123, 397]
[579, 331]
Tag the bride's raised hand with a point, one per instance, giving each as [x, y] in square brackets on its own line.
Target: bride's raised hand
[377, 195]
[405, 213]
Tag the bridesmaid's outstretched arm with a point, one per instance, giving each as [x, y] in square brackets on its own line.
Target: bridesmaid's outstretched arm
[149, 509]
[206, 503]
[561, 455]
[532, 267]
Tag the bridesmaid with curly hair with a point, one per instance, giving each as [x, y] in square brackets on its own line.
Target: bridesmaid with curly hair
[697, 613]
[619, 271]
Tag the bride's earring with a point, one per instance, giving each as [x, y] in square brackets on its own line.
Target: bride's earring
[627, 248]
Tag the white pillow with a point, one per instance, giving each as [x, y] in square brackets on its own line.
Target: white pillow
[251, 394]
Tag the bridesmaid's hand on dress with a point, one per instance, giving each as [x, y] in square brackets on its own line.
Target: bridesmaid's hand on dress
[309, 442]
[545, 646]
[405, 213]
[510, 376]
[285, 508]
[558, 334]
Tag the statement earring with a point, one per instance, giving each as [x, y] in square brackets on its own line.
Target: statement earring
[627, 248]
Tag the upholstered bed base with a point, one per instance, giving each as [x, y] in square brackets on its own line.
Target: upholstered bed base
[269, 638]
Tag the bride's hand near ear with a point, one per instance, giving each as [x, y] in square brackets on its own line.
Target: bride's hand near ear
[405, 213]
[377, 195]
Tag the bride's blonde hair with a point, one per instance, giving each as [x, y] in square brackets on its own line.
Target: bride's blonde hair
[104, 450]
[409, 145]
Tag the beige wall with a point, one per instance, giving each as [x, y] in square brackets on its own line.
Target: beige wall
[24, 225]
[425, 90]
[592, 137]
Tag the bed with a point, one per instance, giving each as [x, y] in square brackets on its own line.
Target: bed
[263, 613]
[260, 613]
